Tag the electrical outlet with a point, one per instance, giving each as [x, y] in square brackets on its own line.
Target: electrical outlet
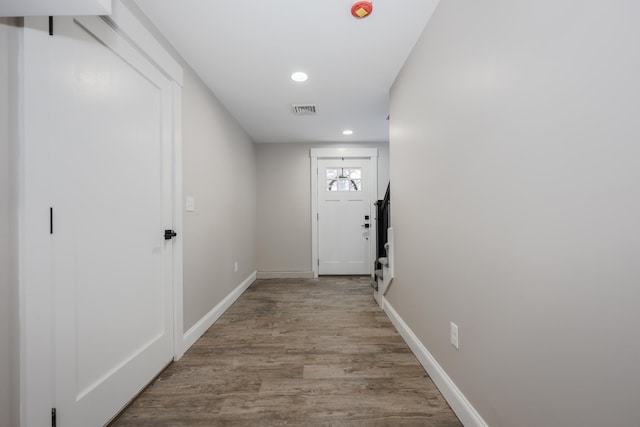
[235, 266]
[454, 335]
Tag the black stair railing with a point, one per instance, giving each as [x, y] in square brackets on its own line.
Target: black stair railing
[383, 216]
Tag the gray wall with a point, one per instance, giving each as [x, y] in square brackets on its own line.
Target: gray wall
[8, 226]
[219, 171]
[5, 356]
[284, 203]
[516, 204]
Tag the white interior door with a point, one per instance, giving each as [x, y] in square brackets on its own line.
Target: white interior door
[344, 215]
[111, 175]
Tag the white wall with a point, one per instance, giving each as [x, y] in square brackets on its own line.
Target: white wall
[284, 204]
[8, 227]
[516, 204]
[219, 171]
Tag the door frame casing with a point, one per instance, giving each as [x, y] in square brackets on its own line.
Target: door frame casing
[341, 153]
[37, 364]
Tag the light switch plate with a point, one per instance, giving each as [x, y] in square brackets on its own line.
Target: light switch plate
[190, 204]
[454, 335]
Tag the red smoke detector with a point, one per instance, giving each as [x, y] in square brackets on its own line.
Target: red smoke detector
[361, 9]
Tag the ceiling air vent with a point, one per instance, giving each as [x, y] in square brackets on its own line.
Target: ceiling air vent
[303, 109]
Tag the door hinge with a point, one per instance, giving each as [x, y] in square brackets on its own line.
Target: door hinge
[318, 262]
[53, 417]
[51, 25]
[51, 220]
[318, 216]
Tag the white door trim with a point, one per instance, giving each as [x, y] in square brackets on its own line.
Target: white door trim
[178, 242]
[339, 153]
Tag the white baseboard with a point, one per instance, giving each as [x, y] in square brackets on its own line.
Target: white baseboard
[285, 275]
[196, 331]
[460, 405]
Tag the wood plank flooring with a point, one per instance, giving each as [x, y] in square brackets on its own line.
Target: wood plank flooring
[298, 353]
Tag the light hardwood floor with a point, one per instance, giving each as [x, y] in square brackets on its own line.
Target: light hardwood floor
[298, 353]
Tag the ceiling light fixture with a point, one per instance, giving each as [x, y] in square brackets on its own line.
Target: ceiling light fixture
[347, 132]
[299, 76]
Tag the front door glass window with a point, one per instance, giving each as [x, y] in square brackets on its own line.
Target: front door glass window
[344, 179]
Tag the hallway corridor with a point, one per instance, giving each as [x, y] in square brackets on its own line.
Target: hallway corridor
[296, 352]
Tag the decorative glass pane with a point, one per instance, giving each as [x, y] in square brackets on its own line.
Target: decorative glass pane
[343, 179]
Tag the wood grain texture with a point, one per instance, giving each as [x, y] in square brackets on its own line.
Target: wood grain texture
[299, 352]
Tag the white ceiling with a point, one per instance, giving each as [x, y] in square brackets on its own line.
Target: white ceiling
[246, 51]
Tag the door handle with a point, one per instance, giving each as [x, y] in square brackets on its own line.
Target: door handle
[169, 234]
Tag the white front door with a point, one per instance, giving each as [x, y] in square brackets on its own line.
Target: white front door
[110, 178]
[344, 217]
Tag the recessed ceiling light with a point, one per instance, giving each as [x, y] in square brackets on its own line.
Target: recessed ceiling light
[347, 132]
[299, 76]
